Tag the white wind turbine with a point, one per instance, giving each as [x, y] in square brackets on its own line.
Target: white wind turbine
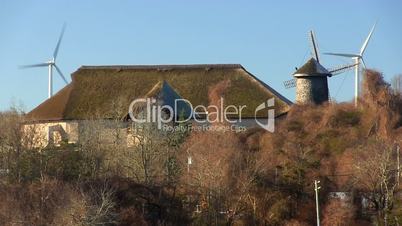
[50, 64]
[358, 59]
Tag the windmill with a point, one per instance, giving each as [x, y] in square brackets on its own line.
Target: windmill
[358, 59]
[311, 79]
[50, 64]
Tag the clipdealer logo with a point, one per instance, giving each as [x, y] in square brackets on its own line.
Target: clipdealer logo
[148, 110]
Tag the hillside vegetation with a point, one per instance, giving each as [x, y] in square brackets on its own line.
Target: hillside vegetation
[251, 178]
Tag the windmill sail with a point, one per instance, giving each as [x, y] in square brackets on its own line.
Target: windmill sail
[290, 83]
[341, 69]
[314, 46]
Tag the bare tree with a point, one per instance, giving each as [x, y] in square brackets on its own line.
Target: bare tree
[375, 166]
[100, 206]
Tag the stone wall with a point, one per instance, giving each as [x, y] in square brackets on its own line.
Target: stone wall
[39, 135]
[312, 89]
[42, 134]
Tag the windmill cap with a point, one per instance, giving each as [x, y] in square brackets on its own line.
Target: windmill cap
[312, 68]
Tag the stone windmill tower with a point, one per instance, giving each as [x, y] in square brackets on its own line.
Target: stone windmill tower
[312, 83]
[311, 80]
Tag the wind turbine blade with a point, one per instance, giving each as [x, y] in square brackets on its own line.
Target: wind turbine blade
[56, 50]
[34, 65]
[314, 46]
[60, 73]
[367, 40]
[363, 63]
[343, 55]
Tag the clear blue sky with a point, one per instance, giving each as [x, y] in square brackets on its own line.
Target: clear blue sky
[267, 38]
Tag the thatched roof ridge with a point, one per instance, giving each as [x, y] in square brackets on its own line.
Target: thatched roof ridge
[163, 66]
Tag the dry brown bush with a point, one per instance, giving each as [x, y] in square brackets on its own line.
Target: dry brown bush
[295, 223]
[35, 203]
[131, 216]
[338, 213]
[52, 202]
[382, 106]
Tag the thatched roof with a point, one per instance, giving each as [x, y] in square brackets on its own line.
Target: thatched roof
[311, 68]
[107, 91]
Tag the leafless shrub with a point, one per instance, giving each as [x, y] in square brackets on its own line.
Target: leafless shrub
[100, 205]
[338, 213]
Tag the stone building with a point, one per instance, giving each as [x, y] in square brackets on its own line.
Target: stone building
[105, 93]
[311, 83]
